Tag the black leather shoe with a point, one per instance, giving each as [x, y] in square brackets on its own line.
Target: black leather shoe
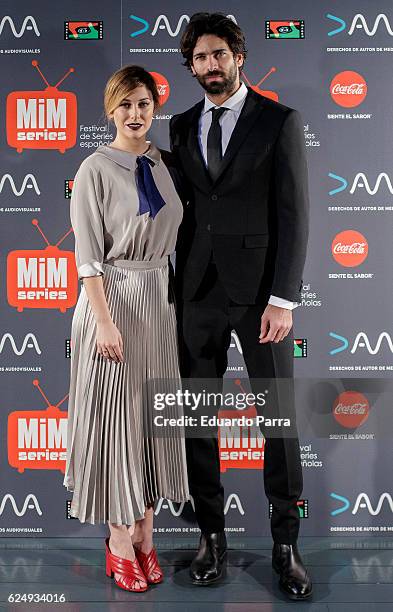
[209, 565]
[294, 579]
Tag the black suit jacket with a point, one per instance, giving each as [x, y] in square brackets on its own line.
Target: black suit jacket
[255, 215]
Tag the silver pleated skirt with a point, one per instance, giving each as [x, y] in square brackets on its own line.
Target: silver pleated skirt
[114, 467]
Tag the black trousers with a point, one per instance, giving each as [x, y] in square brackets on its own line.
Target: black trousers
[205, 326]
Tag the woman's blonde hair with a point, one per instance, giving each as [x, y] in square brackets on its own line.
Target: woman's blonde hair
[125, 80]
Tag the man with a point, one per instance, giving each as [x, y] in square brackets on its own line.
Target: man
[239, 265]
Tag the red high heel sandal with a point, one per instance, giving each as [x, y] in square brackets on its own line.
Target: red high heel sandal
[130, 571]
[149, 564]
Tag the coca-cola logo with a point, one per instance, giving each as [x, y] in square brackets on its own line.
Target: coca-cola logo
[351, 409]
[355, 247]
[348, 89]
[162, 87]
[355, 89]
[349, 248]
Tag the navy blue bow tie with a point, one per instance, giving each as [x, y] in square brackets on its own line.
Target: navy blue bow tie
[150, 199]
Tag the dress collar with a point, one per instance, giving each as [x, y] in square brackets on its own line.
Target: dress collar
[127, 159]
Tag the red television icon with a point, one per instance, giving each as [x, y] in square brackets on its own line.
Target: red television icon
[248, 452]
[37, 439]
[44, 119]
[273, 95]
[42, 278]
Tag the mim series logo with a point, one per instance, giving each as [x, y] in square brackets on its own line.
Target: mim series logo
[161, 23]
[360, 23]
[42, 278]
[42, 119]
[361, 341]
[362, 502]
[359, 182]
[37, 439]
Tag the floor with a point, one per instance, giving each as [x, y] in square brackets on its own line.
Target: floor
[348, 574]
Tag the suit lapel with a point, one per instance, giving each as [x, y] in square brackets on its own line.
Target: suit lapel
[201, 173]
[249, 113]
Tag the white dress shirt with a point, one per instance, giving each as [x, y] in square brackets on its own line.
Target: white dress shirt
[227, 121]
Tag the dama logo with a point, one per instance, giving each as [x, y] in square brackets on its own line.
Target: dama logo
[30, 341]
[235, 342]
[361, 182]
[30, 503]
[42, 119]
[362, 502]
[273, 95]
[162, 86]
[28, 25]
[348, 89]
[232, 503]
[351, 409]
[161, 23]
[45, 278]
[29, 182]
[240, 447]
[362, 341]
[349, 248]
[37, 439]
[359, 23]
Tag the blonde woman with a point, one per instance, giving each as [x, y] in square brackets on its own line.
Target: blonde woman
[125, 213]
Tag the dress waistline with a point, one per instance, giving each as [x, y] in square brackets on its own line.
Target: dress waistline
[139, 265]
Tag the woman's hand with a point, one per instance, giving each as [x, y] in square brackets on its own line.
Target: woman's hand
[109, 341]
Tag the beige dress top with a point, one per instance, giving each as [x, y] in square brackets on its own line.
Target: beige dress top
[115, 467]
[104, 211]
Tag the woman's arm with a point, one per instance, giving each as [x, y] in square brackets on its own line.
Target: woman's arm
[86, 212]
[109, 340]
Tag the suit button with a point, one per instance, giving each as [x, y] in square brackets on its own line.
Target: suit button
[214, 197]
[208, 227]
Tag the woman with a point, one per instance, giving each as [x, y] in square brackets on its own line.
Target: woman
[125, 213]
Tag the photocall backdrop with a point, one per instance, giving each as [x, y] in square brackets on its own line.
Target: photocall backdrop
[331, 61]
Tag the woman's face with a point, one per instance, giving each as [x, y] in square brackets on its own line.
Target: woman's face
[134, 115]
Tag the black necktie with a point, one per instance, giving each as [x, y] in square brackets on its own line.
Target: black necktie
[214, 144]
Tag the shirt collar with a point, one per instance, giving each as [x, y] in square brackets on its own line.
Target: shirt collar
[233, 103]
[128, 159]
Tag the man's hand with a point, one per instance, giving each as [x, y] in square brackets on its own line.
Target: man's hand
[276, 323]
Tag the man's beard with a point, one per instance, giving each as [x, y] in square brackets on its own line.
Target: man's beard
[223, 85]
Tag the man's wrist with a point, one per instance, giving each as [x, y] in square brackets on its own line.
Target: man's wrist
[282, 303]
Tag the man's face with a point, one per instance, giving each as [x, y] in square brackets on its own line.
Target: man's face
[215, 66]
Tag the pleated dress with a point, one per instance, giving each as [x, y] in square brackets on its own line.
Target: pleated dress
[115, 467]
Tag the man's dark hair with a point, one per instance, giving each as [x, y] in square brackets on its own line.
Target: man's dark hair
[211, 23]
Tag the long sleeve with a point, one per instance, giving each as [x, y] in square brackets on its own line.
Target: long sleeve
[277, 301]
[292, 202]
[86, 211]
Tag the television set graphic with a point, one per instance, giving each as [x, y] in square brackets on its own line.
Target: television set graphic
[240, 447]
[273, 95]
[42, 278]
[43, 119]
[37, 439]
